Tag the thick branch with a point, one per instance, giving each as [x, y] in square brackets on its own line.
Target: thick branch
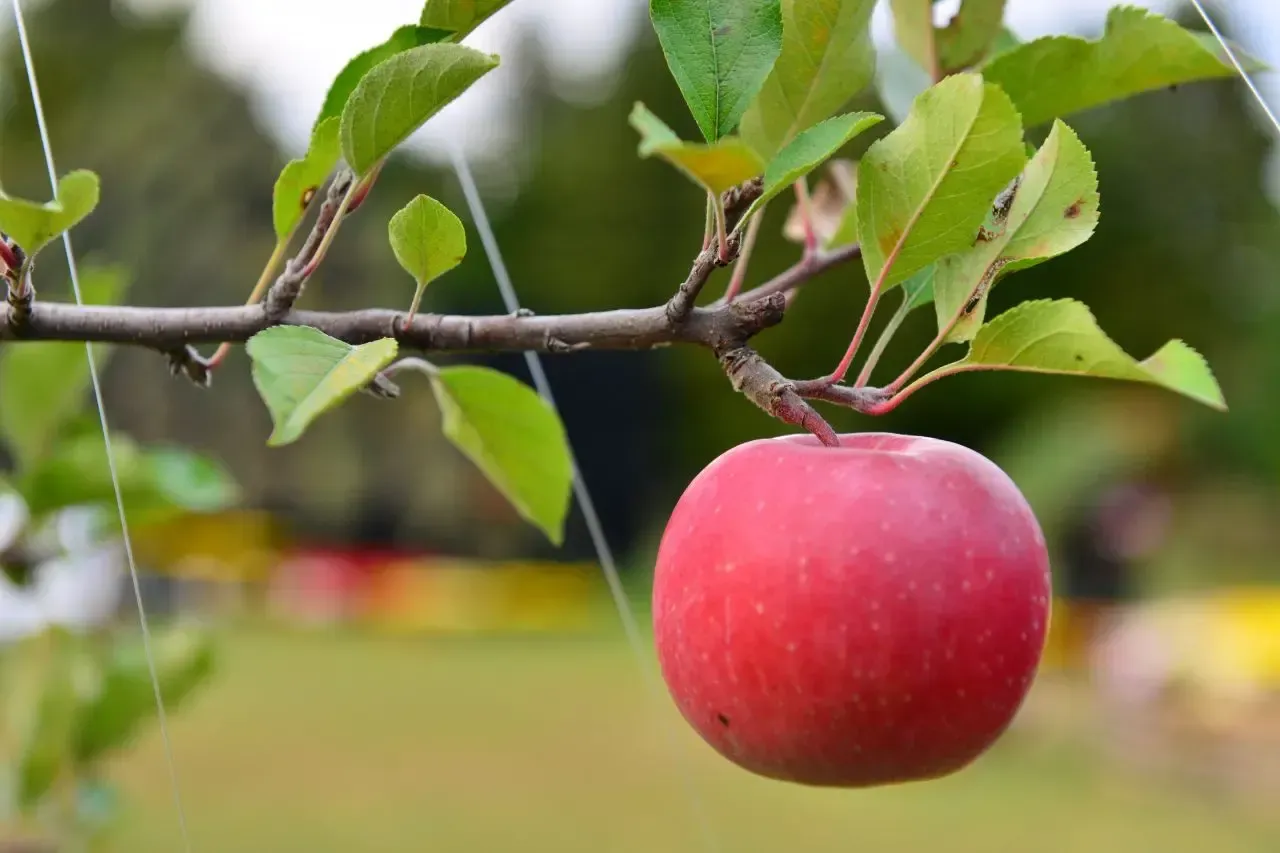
[172, 329]
[770, 390]
[723, 328]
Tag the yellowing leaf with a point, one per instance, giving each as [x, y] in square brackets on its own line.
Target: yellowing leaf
[717, 167]
[301, 373]
[1062, 337]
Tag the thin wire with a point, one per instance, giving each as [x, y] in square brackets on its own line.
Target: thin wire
[603, 552]
[25, 44]
[1231, 55]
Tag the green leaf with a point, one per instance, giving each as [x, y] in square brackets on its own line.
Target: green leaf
[300, 178]
[809, 150]
[514, 437]
[717, 167]
[827, 58]
[970, 34]
[918, 290]
[459, 17]
[404, 38]
[40, 701]
[1139, 51]
[924, 190]
[154, 482]
[427, 238]
[914, 31]
[720, 52]
[399, 94]
[301, 373]
[187, 481]
[1054, 209]
[125, 698]
[43, 383]
[33, 225]
[1062, 337]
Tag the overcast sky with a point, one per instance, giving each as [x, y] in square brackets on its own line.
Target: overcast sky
[286, 52]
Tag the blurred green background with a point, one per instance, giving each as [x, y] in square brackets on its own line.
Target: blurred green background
[351, 739]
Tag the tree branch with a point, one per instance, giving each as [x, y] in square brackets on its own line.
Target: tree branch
[797, 275]
[724, 328]
[736, 202]
[172, 329]
[288, 287]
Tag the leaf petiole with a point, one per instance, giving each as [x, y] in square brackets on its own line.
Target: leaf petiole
[890, 329]
[744, 256]
[722, 231]
[264, 281]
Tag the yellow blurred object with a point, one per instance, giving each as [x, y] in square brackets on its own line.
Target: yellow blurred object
[230, 547]
[1225, 643]
[473, 597]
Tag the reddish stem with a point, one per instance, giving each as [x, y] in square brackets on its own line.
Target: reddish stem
[9, 257]
[744, 257]
[805, 205]
[842, 369]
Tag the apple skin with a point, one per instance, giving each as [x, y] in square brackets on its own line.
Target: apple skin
[851, 616]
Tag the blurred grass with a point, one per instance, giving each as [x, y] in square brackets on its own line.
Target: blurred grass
[336, 742]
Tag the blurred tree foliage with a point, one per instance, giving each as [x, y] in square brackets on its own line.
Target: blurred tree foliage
[1188, 247]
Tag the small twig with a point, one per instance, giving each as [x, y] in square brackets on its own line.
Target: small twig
[867, 401]
[288, 287]
[259, 288]
[686, 295]
[800, 273]
[420, 365]
[732, 205]
[186, 361]
[744, 256]
[21, 297]
[893, 399]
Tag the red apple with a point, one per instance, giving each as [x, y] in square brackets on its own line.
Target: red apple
[851, 616]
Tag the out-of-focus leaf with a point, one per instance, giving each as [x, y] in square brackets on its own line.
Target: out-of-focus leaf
[43, 384]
